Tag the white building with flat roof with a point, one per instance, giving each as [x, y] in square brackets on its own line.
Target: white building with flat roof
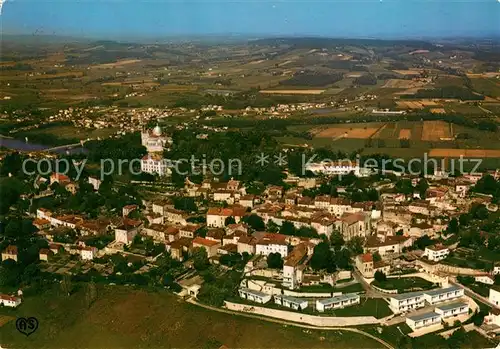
[443, 294]
[436, 253]
[452, 309]
[254, 296]
[404, 302]
[291, 302]
[337, 302]
[423, 320]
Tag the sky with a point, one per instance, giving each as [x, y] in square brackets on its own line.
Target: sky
[259, 18]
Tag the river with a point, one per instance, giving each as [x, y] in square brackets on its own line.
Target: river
[16, 144]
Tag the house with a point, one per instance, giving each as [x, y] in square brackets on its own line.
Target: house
[161, 207]
[162, 232]
[94, 182]
[215, 234]
[175, 216]
[436, 253]
[41, 223]
[71, 187]
[339, 206]
[485, 279]
[416, 322]
[389, 246]
[443, 294]
[494, 296]
[291, 302]
[419, 207]
[254, 296]
[189, 230]
[179, 248]
[88, 253]
[492, 320]
[60, 178]
[43, 213]
[294, 265]
[44, 254]
[10, 252]
[210, 246]
[247, 201]
[126, 232]
[452, 309]
[9, 301]
[216, 217]
[126, 210]
[364, 263]
[401, 303]
[227, 249]
[246, 244]
[272, 243]
[337, 302]
[56, 248]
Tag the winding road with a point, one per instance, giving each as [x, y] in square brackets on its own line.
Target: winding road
[290, 323]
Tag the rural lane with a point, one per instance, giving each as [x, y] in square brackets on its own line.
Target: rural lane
[290, 323]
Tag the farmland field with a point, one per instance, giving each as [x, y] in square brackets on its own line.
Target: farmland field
[362, 133]
[466, 153]
[405, 134]
[436, 130]
[293, 92]
[123, 317]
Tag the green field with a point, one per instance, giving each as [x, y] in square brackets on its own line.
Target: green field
[404, 284]
[368, 307]
[71, 132]
[124, 317]
[489, 87]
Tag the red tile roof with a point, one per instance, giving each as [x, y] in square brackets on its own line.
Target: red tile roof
[205, 242]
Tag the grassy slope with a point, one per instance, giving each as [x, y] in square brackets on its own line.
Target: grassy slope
[126, 318]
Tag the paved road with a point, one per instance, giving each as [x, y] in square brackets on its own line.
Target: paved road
[290, 323]
[370, 291]
[471, 293]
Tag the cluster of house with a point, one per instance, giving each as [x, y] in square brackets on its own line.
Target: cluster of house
[59, 178]
[321, 305]
[450, 300]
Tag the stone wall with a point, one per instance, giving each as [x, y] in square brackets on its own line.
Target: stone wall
[448, 269]
[319, 321]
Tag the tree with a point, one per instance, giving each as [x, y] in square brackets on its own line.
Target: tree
[272, 227]
[200, 259]
[274, 261]
[422, 187]
[377, 257]
[229, 220]
[185, 204]
[380, 276]
[322, 258]
[287, 228]
[453, 226]
[255, 222]
[355, 245]
[307, 232]
[337, 240]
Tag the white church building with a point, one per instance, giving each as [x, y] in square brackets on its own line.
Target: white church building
[154, 140]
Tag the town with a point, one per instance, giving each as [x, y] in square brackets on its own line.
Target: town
[310, 251]
[338, 188]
